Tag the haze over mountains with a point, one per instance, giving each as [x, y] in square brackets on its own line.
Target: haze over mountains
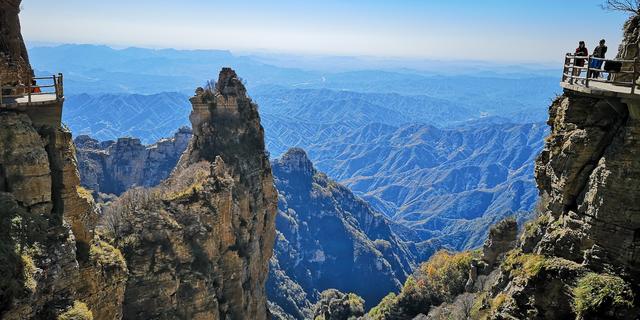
[446, 152]
[487, 90]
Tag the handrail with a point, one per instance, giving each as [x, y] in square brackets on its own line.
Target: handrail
[52, 85]
[574, 66]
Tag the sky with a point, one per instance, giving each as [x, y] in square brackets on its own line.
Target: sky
[487, 30]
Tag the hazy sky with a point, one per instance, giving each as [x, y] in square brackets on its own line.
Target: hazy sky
[495, 30]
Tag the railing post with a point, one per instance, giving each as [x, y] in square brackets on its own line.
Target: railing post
[572, 63]
[565, 68]
[1, 92]
[586, 82]
[60, 87]
[635, 75]
[29, 81]
[55, 85]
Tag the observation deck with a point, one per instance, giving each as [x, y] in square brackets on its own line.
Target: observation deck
[601, 77]
[42, 101]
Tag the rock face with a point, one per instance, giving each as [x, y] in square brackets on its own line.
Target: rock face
[584, 244]
[14, 60]
[329, 238]
[52, 260]
[502, 238]
[114, 167]
[49, 222]
[198, 246]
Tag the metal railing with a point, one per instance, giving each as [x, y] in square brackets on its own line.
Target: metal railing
[598, 70]
[52, 85]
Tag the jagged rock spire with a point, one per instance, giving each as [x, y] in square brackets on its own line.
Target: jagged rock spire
[226, 123]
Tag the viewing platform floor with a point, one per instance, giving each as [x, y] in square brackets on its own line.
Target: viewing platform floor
[45, 98]
[602, 89]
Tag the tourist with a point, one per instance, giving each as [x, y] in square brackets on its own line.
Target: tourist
[34, 87]
[581, 51]
[599, 52]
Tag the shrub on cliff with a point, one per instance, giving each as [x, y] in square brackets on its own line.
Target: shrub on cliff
[335, 305]
[79, 311]
[601, 295]
[438, 280]
[107, 255]
[116, 220]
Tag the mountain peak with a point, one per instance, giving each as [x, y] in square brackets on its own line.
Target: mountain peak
[229, 84]
[296, 160]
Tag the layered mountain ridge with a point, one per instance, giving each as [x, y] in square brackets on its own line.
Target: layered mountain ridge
[327, 238]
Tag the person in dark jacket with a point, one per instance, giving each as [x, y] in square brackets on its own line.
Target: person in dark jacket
[581, 51]
[599, 52]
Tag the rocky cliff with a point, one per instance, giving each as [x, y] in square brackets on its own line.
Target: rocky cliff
[327, 238]
[51, 257]
[112, 167]
[198, 245]
[14, 60]
[52, 261]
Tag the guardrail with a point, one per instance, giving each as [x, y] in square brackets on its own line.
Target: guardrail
[52, 85]
[617, 74]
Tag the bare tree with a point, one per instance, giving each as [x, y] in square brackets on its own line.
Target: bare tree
[629, 6]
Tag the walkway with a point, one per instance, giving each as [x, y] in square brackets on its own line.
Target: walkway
[19, 96]
[35, 99]
[615, 80]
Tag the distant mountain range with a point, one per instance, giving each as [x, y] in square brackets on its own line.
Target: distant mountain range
[99, 69]
[447, 184]
[112, 116]
[442, 155]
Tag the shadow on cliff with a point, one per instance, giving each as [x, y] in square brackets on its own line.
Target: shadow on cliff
[20, 232]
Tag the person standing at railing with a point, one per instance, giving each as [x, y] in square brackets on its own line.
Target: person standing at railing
[599, 52]
[34, 87]
[581, 51]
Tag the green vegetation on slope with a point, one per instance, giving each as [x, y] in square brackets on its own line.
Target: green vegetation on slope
[595, 292]
[79, 311]
[438, 280]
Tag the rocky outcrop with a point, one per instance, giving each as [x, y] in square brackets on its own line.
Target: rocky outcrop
[14, 60]
[198, 245]
[502, 238]
[52, 260]
[114, 167]
[48, 246]
[329, 238]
